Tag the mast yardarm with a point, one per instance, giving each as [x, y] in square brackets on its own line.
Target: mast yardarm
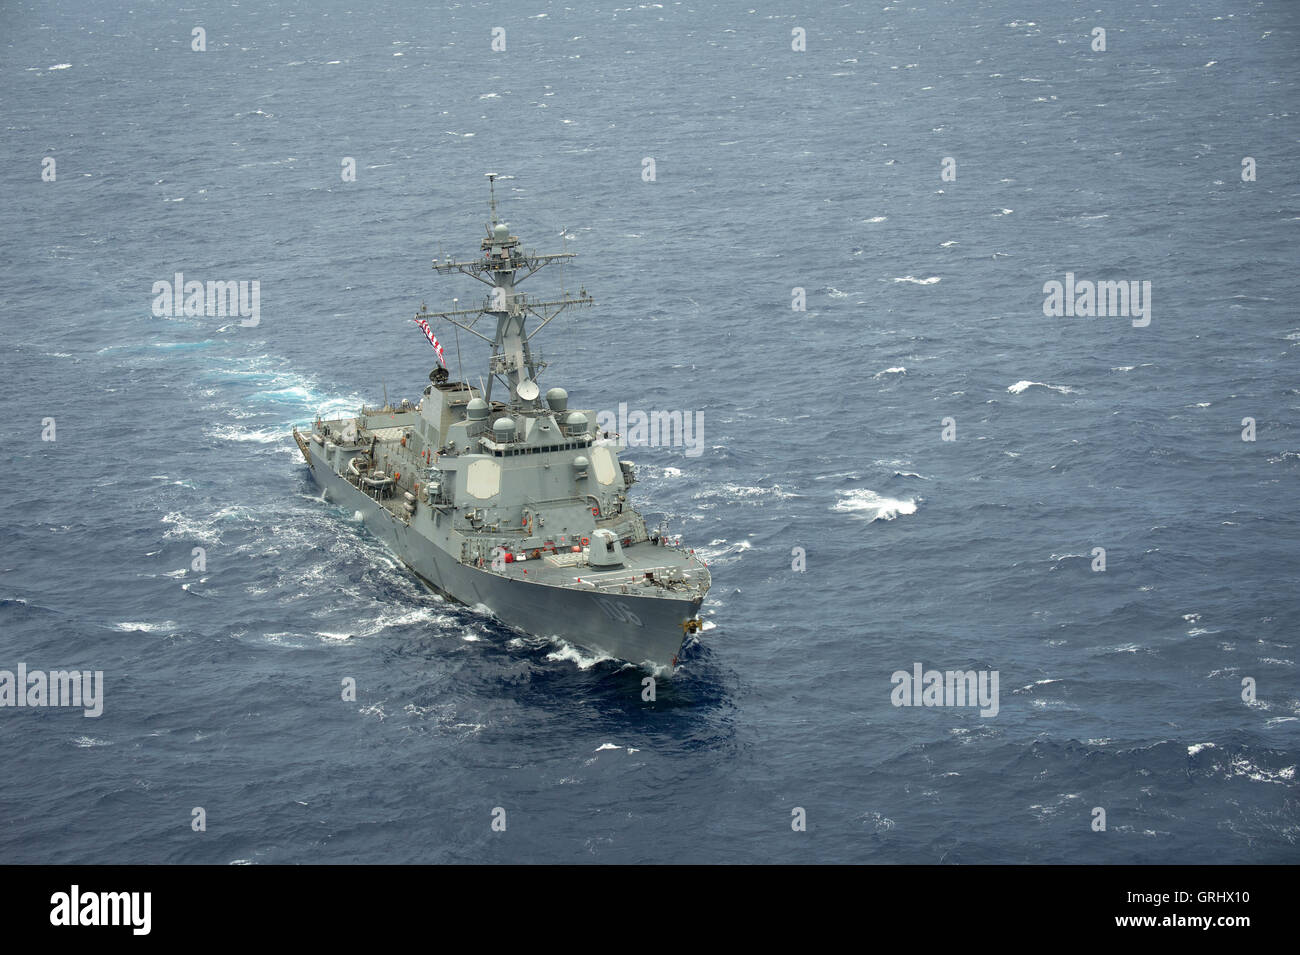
[503, 266]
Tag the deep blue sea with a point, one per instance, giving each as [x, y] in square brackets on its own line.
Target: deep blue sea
[774, 170]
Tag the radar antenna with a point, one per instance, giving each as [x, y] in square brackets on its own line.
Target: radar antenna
[503, 265]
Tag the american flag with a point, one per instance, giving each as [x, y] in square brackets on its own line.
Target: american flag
[424, 326]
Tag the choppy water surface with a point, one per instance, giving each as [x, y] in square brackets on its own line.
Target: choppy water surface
[775, 170]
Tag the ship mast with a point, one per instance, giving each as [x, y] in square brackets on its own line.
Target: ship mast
[503, 266]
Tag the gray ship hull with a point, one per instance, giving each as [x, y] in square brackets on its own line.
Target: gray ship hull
[599, 623]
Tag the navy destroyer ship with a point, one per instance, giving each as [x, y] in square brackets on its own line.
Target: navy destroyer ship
[500, 496]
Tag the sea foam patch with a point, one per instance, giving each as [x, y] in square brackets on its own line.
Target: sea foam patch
[874, 506]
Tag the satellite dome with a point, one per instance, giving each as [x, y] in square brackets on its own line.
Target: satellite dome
[477, 409]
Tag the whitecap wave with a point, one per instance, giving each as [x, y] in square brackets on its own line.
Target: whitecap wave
[582, 659]
[735, 493]
[722, 552]
[128, 626]
[229, 432]
[877, 508]
[1024, 385]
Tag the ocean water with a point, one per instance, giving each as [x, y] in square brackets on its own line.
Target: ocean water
[775, 170]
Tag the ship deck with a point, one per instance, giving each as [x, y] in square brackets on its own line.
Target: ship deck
[647, 570]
